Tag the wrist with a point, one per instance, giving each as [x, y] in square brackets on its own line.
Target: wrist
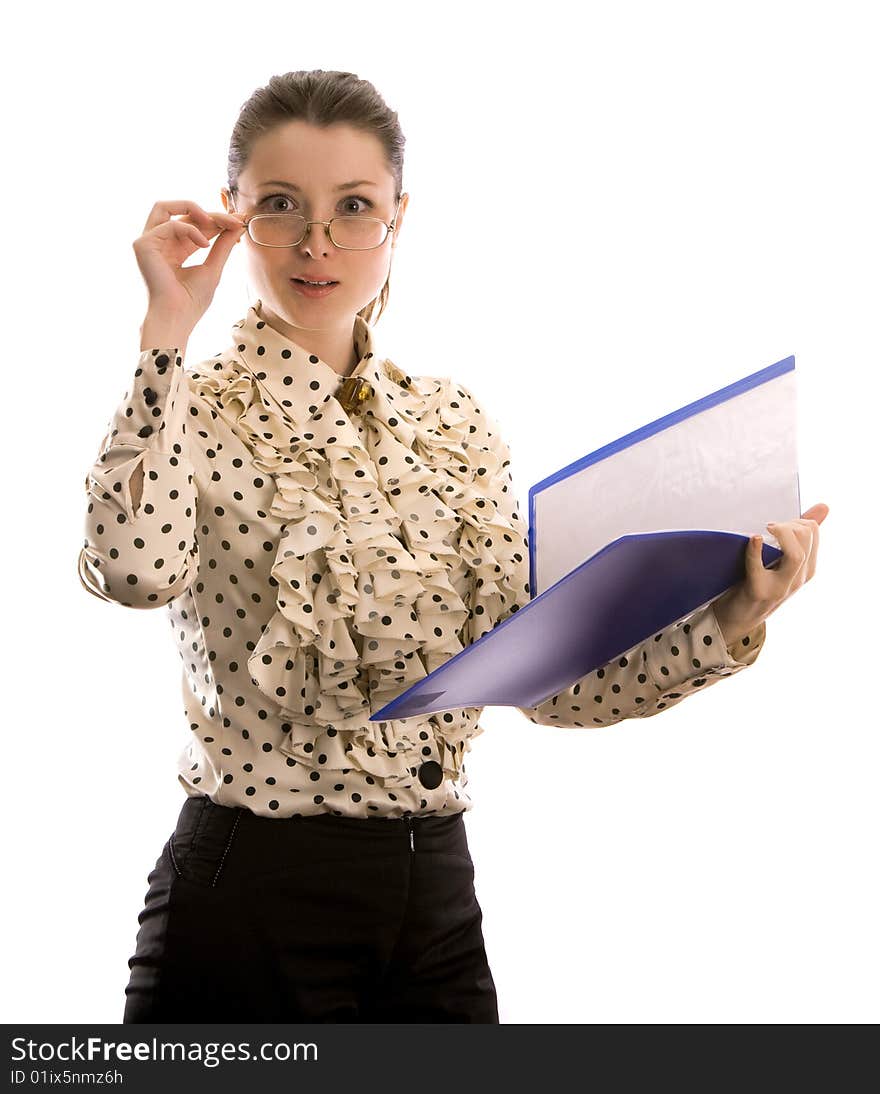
[163, 333]
[733, 616]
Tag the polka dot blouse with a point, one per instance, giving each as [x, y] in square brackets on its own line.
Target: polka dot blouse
[315, 562]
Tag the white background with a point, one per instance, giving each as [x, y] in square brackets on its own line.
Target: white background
[699, 188]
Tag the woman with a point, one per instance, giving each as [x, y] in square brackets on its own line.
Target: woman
[325, 529]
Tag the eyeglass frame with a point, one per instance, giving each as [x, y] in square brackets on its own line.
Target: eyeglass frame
[326, 223]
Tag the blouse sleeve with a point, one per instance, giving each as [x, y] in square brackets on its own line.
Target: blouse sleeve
[140, 548]
[688, 656]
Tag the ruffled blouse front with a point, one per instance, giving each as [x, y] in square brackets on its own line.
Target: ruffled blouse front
[389, 547]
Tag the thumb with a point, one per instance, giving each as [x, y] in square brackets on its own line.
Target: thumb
[219, 252]
[755, 556]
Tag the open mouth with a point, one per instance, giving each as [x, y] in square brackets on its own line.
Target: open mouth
[310, 290]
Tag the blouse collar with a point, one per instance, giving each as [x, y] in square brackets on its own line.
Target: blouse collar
[299, 381]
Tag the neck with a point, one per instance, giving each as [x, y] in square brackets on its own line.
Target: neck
[334, 346]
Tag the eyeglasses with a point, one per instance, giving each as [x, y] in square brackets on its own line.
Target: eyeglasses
[350, 233]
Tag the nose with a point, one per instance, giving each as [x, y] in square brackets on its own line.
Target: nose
[321, 237]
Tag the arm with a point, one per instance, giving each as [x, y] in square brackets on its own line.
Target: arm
[688, 656]
[140, 548]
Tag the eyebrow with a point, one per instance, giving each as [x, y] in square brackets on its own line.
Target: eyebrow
[293, 186]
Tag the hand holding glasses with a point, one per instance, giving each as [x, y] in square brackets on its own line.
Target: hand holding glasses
[180, 295]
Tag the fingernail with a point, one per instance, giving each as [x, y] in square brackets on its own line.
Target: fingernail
[772, 526]
[756, 540]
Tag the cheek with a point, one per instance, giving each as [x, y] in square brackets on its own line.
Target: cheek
[264, 262]
[378, 267]
[278, 259]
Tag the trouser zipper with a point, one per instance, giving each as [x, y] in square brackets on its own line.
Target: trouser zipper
[412, 845]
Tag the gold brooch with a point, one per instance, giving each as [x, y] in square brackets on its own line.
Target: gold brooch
[354, 392]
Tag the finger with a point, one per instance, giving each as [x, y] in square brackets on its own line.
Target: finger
[810, 567]
[224, 222]
[811, 561]
[233, 219]
[817, 512]
[809, 531]
[163, 211]
[208, 223]
[219, 252]
[804, 530]
[793, 554]
[754, 561]
[180, 227]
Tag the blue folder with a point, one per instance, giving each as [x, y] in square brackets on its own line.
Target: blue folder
[631, 538]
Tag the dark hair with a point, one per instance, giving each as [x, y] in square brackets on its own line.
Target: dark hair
[321, 98]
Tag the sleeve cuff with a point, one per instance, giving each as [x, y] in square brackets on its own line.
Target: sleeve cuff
[694, 648]
[139, 415]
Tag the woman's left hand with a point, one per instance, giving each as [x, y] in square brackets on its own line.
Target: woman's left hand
[745, 606]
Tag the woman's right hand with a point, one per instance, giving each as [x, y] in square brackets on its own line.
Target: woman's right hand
[183, 295]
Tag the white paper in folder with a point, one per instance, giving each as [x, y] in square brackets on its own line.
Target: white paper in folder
[726, 462]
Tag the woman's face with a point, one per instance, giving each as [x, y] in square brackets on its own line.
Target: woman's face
[315, 164]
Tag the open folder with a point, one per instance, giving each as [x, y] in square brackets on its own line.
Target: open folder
[628, 540]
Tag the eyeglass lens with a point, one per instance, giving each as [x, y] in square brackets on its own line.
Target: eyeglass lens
[288, 229]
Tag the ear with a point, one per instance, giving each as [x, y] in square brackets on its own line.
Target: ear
[398, 223]
[226, 198]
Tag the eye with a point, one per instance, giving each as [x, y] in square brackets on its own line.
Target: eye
[357, 197]
[275, 197]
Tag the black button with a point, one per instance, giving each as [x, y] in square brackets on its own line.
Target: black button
[431, 774]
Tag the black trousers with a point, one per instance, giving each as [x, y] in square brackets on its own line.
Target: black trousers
[310, 919]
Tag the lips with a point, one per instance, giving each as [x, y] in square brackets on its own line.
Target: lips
[312, 292]
[308, 281]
